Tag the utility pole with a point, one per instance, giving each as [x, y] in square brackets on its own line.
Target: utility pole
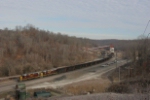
[116, 58]
[117, 66]
[119, 74]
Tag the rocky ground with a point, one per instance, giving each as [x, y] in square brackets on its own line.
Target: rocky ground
[102, 96]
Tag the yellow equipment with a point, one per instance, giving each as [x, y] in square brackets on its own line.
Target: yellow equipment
[41, 74]
[20, 78]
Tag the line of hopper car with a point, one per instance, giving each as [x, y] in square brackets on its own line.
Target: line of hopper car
[61, 69]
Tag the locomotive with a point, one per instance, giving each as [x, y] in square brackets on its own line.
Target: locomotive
[62, 69]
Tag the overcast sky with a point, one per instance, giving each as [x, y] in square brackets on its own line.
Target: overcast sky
[94, 19]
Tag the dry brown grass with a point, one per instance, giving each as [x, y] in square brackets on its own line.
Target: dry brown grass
[9, 95]
[88, 86]
[119, 88]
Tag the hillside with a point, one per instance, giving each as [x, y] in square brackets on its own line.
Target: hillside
[28, 49]
[119, 44]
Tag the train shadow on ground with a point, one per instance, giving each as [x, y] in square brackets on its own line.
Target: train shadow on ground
[60, 78]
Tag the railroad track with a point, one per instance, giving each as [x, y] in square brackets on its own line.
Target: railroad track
[11, 85]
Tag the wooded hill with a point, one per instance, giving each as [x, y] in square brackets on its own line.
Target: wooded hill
[118, 44]
[28, 49]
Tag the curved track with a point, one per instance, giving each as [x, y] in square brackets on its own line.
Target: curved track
[76, 76]
[10, 85]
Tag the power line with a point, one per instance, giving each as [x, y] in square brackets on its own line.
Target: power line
[146, 27]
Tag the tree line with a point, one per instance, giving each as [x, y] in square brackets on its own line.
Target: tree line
[28, 49]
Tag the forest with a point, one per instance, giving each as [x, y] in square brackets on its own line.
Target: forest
[29, 49]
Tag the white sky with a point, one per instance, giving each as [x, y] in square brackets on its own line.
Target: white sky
[95, 19]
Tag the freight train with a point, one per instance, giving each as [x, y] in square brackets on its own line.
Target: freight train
[62, 69]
